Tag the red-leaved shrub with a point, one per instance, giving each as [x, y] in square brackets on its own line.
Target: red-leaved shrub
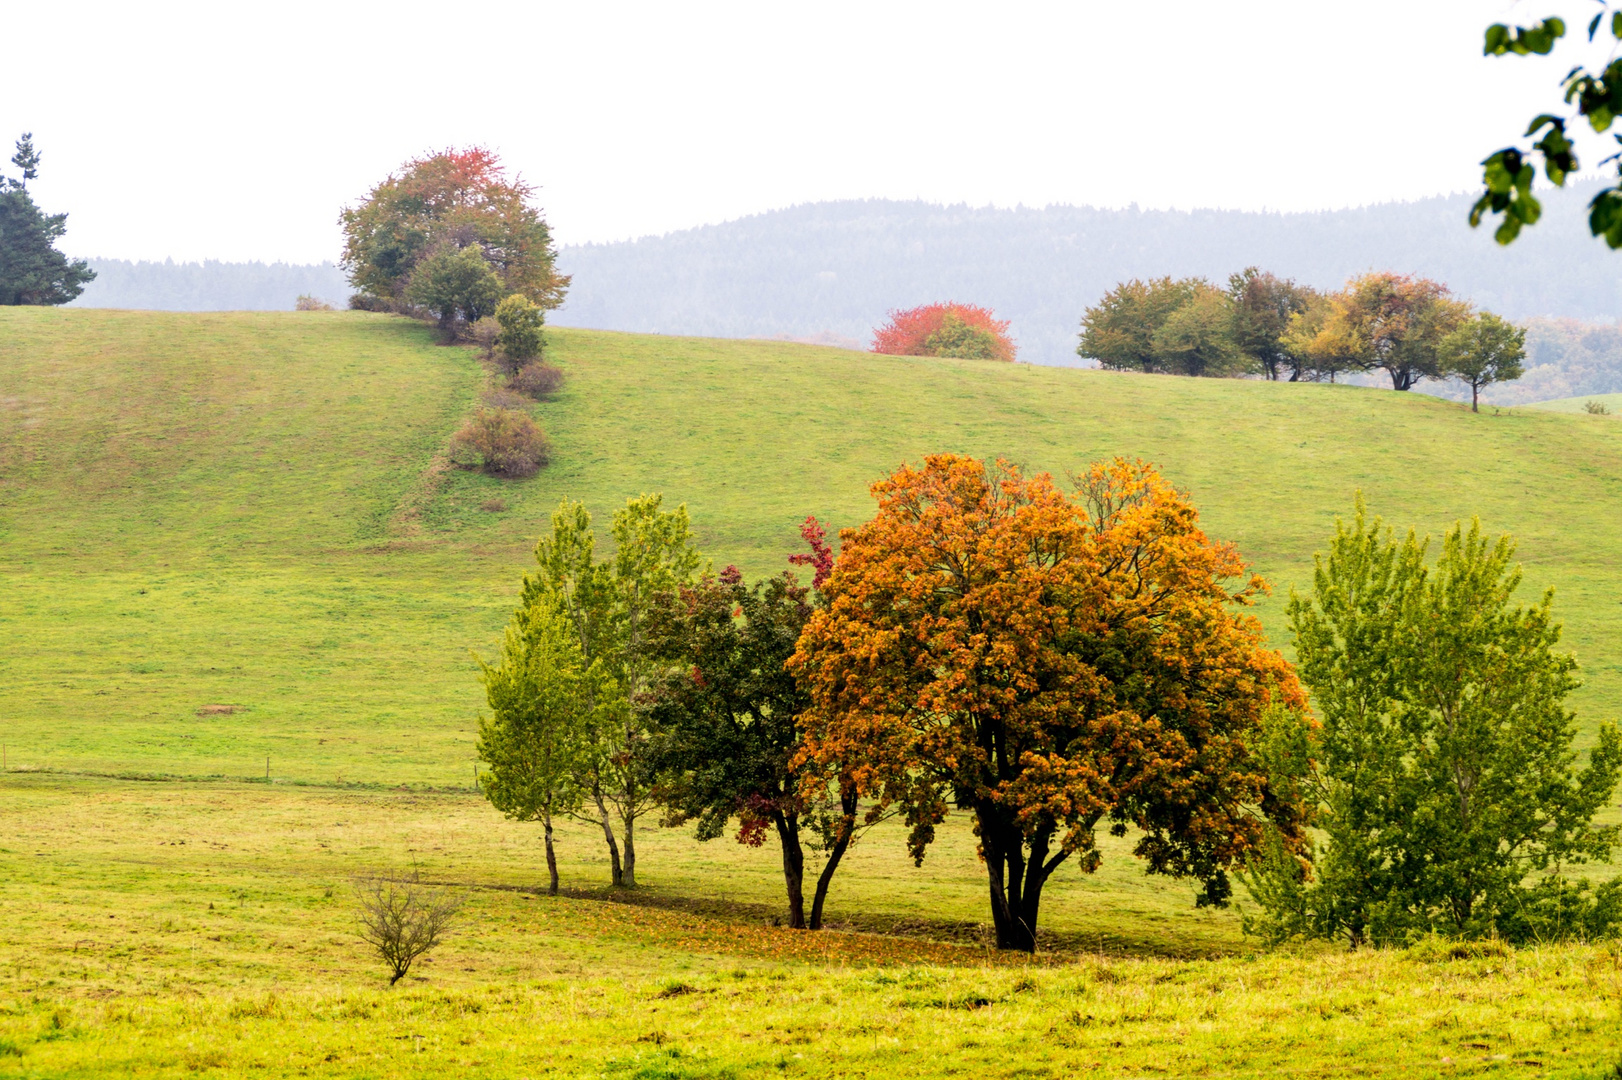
[949, 329]
[506, 442]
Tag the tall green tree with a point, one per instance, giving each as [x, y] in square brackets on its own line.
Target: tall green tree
[1445, 775]
[545, 700]
[608, 605]
[1197, 338]
[1119, 331]
[32, 271]
[1483, 350]
[1262, 305]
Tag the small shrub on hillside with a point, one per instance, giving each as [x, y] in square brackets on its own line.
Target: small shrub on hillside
[537, 380]
[367, 302]
[1596, 408]
[306, 302]
[949, 329]
[505, 442]
[520, 321]
[484, 334]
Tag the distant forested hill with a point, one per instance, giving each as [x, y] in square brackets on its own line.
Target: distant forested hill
[211, 286]
[833, 269]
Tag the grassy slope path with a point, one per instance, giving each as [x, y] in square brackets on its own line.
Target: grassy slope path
[218, 509]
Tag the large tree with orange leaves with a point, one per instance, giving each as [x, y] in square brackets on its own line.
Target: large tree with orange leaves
[1050, 662]
[452, 200]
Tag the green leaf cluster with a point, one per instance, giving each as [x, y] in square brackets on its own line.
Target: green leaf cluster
[1443, 770]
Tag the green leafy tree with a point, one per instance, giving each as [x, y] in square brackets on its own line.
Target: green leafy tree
[521, 321]
[458, 198]
[454, 284]
[608, 606]
[1483, 350]
[727, 712]
[32, 271]
[1262, 306]
[1119, 331]
[959, 339]
[544, 701]
[1445, 775]
[1197, 338]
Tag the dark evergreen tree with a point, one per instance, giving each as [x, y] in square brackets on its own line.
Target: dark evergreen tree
[32, 271]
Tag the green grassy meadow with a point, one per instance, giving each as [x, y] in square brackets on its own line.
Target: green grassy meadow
[1612, 402]
[227, 538]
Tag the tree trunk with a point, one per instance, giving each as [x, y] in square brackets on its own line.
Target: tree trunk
[1004, 850]
[628, 878]
[551, 858]
[616, 877]
[1475, 398]
[788, 836]
[847, 829]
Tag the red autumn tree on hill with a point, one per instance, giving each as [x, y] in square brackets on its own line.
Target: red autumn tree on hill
[949, 329]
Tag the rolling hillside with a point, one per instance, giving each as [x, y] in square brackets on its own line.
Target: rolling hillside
[222, 537]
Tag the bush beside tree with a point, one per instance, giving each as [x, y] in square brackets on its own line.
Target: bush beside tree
[955, 330]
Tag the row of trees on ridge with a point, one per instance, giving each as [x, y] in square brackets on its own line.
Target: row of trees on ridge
[1409, 327]
[1050, 663]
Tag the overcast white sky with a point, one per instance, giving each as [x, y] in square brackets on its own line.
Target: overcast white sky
[236, 131]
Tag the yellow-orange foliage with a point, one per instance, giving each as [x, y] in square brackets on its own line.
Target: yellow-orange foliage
[1048, 661]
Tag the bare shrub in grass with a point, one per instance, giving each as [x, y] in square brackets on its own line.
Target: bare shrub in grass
[505, 399]
[1596, 408]
[402, 920]
[306, 302]
[505, 442]
[537, 380]
[367, 302]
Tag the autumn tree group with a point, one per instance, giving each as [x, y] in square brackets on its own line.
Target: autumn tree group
[1409, 327]
[1048, 663]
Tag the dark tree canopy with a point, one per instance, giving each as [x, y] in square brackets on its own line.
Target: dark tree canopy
[32, 271]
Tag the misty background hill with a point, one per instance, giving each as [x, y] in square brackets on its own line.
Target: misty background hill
[830, 271]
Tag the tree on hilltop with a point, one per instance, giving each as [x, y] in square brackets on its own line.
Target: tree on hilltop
[457, 199]
[1263, 305]
[1050, 663]
[950, 329]
[1119, 331]
[1390, 322]
[32, 271]
[1483, 350]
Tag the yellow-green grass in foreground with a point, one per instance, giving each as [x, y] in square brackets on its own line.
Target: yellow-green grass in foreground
[1612, 402]
[169, 930]
[244, 509]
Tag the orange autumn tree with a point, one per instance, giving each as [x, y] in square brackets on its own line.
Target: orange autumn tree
[1049, 663]
[949, 329]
